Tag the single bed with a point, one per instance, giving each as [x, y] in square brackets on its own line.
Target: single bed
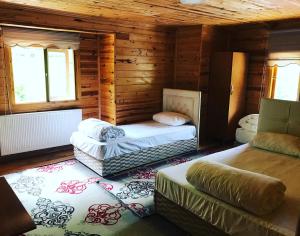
[244, 136]
[145, 142]
[202, 214]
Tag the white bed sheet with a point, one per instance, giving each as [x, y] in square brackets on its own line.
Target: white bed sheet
[244, 136]
[171, 182]
[138, 136]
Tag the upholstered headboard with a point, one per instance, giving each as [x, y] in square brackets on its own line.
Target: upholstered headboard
[185, 102]
[279, 116]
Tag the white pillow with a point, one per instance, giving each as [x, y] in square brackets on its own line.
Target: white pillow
[249, 122]
[171, 118]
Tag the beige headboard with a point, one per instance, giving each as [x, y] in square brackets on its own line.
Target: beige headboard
[279, 116]
[185, 102]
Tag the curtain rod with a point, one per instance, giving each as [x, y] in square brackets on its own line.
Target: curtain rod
[54, 29]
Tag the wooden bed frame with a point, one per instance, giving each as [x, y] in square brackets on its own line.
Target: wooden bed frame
[182, 101]
[275, 116]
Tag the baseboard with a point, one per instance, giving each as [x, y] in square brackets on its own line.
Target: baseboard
[35, 153]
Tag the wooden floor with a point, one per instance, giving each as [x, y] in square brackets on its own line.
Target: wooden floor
[152, 225]
[23, 162]
[19, 164]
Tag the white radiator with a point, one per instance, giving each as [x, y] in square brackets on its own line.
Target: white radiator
[39, 130]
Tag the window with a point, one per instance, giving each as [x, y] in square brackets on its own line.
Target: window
[61, 76]
[286, 82]
[284, 64]
[28, 75]
[42, 75]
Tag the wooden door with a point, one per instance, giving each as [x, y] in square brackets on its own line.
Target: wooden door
[237, 92]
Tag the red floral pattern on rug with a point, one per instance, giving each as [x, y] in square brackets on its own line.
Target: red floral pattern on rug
[71, 187]
[93, 180]
[56, 167]
[75, 186]
[135, 189]
[70, 162]
[138, 208]
[50, 168]
[146, 173]
[107, 186]
[178, 161]
[104, 214]
[65, 199]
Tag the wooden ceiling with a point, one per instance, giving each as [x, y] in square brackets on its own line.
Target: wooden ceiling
[171, 12]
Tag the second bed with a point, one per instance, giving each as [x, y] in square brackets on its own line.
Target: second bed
[144, 142]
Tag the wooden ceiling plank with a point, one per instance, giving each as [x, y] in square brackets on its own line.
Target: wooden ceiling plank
[172, 12]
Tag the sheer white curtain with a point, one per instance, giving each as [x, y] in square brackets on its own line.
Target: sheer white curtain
[284, 47]
[283, 65]
[25, 37]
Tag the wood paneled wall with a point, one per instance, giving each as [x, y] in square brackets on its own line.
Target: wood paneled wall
[88, 82]
[143, 62]
[198, 44]
[144, 66]
[188, 57]
[213, 39]
[138, 60]
[254, 41]
[3, 78]
[250, 38]
[107, 78]
[188, 67]
[194, 47]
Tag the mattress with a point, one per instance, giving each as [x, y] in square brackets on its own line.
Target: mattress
[171, 182]
[243, 135]
[138, 136]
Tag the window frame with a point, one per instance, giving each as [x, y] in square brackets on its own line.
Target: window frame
[42, 106]
[47, 71]
[272, 82]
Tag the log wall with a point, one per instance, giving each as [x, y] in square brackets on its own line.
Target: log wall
[107, 78]
[3, 100]
[250, 38]
[213, 39]
[188, 57]
[194, 47]
[137, 60]
[143, 67]
[254, 41]
[142, 62]
[88, 82]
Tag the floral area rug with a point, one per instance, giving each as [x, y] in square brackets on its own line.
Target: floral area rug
[136, 188]
[64, 199]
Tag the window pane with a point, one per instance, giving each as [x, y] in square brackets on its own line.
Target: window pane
[287, 83]
[61, 75]
[28, 74]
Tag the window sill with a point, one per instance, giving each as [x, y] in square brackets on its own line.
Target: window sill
[47, 106]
